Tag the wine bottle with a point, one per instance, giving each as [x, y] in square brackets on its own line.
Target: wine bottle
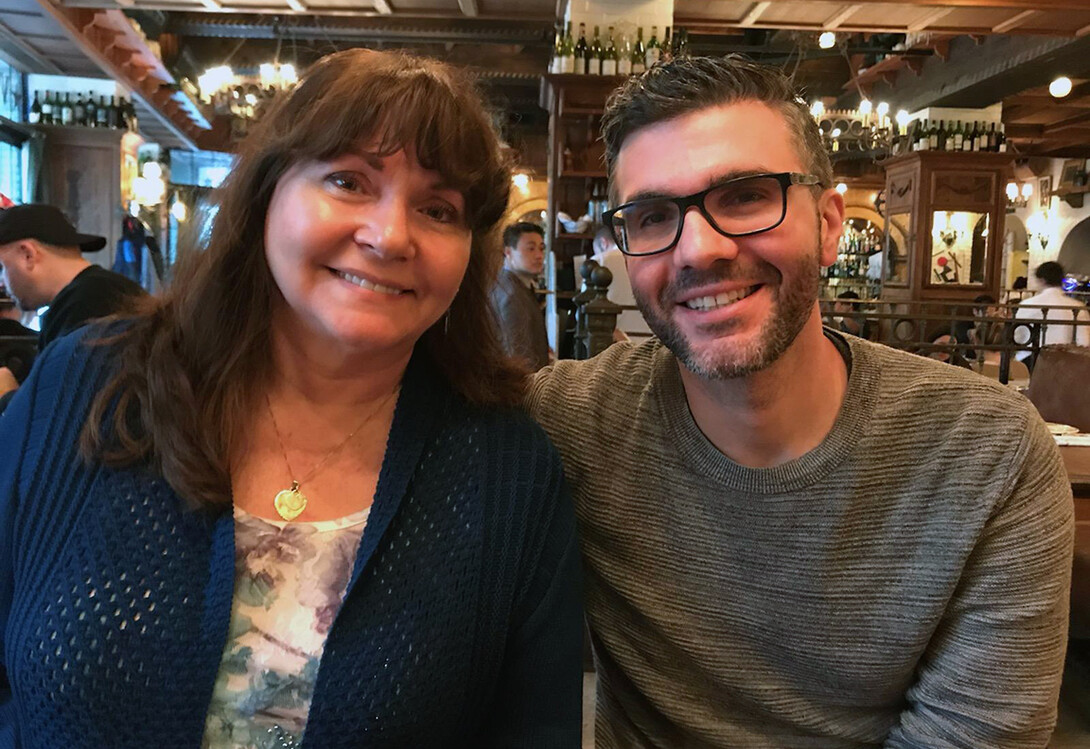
[667, 48]
[47, 108]
[933, 136]
[102, 113]
[959, 137]
[581, 51]
[654, 51]
[609, 56]
[567, 52]
[624, 57]
[34, 116]
[639, 52]
[594, 54]
[90, 111]
[558, 44]
[1001, 139]
[67, 113]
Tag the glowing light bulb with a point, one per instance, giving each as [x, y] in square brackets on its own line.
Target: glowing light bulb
[865, 107]
[841, 188]
[1027, 190]
[903, 118]
[1012, 192]
[179, 211]
[827, 40]
[883, 109]
[817, 108]
[1060, 87]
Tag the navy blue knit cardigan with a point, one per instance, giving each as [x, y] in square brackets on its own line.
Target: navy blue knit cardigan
[461, 625]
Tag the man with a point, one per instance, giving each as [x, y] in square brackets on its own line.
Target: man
[848, 315]
[1056, 328]
[521, 322]
[42, 266]
[792, 538]
[629, 321]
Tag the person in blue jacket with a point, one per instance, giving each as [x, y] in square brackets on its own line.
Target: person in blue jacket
[292, 502]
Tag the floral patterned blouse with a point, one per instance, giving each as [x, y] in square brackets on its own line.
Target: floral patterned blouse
[290, 581]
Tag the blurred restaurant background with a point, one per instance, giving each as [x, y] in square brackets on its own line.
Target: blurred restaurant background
[959, 131]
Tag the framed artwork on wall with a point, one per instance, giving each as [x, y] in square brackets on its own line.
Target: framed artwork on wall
[1073, 173]
[1044, 192]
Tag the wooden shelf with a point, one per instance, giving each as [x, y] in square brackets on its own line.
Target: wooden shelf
[1073, 196]
[573, 237]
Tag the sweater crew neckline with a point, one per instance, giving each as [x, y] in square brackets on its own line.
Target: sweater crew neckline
[696, 449]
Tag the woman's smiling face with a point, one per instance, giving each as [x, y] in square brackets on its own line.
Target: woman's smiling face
[368, 251]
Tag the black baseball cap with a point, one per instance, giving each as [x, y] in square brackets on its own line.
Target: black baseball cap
[47, 224]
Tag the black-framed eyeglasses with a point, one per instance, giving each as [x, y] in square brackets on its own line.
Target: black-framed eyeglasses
[735, 208]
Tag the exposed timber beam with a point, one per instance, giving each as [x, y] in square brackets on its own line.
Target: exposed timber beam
[754, 13]
[1015, 21]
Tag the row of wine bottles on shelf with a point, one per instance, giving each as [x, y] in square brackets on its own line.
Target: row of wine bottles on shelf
[77, 110]
[613, 55]
[970, 136]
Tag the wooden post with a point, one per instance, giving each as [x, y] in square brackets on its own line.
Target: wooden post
[599, 312]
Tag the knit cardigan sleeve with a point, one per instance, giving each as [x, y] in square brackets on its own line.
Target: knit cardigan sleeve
[29, 407]
[538, 699]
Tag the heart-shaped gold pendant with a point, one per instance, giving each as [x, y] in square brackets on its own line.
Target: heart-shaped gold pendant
[290, 503]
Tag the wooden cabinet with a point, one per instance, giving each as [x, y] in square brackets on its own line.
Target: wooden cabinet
[81, 175]
[944, 225]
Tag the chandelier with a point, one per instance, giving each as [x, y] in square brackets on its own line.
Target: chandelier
[866, 131]
[244, 92]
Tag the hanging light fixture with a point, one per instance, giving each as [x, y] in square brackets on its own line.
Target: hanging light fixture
[1060, 87]
[827, 40]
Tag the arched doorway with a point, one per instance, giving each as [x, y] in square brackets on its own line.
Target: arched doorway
[1075, 251]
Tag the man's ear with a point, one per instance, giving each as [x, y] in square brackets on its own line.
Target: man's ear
[831, 218]
[29, 253]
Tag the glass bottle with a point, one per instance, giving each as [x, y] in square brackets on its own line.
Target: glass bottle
[639, 62]
[609, 58]
[581, 51]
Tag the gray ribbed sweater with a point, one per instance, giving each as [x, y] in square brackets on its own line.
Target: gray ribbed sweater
[904, 584]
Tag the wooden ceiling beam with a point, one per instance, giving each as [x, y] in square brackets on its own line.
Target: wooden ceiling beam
[834, 21]
[1015, 21]
[382, 7]
[936, 15]
[754, 13]
[469, 8]
[1068, 122]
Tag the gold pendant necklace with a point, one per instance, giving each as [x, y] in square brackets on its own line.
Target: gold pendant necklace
[290, 503]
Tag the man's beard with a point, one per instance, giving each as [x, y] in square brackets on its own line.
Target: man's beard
[792, 305]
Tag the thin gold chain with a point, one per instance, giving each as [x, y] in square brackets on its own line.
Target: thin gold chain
[334, 450]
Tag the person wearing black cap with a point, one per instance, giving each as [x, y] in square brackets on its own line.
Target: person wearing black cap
[42, 265]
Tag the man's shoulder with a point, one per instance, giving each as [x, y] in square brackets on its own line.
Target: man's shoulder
[101, 278]
[619, 373]
[909, 386]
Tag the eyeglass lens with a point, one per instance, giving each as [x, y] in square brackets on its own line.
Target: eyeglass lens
[737, 207]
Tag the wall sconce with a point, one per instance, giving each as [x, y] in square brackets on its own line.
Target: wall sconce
[1037, 227]
[1018, 195]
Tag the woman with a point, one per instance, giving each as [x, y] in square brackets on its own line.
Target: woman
[303, 511]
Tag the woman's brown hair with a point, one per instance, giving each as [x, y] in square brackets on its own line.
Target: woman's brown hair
[191, 361]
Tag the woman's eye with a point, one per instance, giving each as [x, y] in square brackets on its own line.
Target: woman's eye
[442, 213]
[345, 181]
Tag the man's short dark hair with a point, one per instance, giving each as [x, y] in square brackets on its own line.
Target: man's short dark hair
[512, 233]
[847, 295]
[689, 84]
[1051, 273]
